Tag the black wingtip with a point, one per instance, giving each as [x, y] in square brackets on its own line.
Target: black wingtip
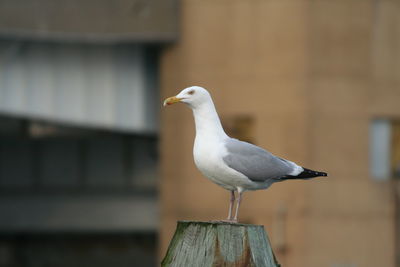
[320, 173]
[306, 174]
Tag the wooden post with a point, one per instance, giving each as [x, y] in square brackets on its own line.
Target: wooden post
[215, 244]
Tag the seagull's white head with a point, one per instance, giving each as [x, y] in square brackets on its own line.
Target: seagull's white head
[193, 96]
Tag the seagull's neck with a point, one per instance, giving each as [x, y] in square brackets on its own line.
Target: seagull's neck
[208, 124]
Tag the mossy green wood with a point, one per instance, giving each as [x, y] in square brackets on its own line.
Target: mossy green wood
[206, 244]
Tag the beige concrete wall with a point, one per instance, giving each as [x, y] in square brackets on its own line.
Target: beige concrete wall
[310, 75]
[351, 218]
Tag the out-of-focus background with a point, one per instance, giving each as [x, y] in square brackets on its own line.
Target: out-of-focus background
[94, 173]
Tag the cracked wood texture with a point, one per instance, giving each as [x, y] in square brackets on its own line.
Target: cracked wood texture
[215, 244]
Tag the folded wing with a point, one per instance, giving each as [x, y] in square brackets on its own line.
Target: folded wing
[256, 163]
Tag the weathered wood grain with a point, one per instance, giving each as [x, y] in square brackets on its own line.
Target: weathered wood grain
[215, 244]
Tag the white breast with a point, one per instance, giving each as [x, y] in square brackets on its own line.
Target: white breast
[208, 157]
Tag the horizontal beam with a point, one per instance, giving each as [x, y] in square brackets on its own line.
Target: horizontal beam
[90, 20]
[78, 213]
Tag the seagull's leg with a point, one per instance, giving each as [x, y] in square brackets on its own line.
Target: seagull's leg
[240, 191]
[232, 201]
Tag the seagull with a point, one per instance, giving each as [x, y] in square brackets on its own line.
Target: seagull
[233, 164]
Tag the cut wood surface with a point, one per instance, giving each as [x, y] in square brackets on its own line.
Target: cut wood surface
[205, 244]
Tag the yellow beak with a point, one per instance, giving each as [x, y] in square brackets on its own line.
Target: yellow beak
[171, 100]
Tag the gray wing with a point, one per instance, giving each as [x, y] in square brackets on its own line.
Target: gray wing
[254, 162]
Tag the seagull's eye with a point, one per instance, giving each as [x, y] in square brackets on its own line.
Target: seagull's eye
[191, 92]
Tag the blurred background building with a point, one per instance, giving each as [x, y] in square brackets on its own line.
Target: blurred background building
[313, 81]
[90, 176]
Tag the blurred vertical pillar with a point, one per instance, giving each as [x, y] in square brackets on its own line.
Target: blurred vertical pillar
[385, 96]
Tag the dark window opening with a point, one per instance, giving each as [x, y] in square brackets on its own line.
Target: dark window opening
[38, 157]
[78, 250]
